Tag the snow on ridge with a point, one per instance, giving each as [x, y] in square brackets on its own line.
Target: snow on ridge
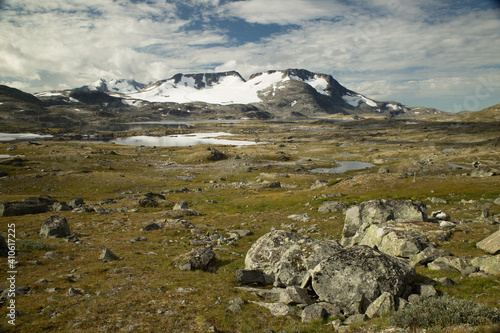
[355, 100]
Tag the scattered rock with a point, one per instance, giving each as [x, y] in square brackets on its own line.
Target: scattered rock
[108, 255]
[55, 226]
[201, 258]
[31, 205]
[300, 217]
[331, 207]
[490, 244]
[440, 216]
[429, 254]
[445, 281]
[77, 202]
[235, 305]
[151, 226]
[295, 295]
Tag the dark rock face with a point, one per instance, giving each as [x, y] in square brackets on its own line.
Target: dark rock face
[96, 98]
[203, 80]
[354, 277]
[31, 205]
[55, 226]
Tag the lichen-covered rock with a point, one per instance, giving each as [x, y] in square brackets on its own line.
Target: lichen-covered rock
[354, 277]
[428, 255]
[360, 217]
[331, 206]
[55, 226]
[394, 242]
[287, 256]
[490, 244]
[107, 254]
[382, 305]
[201, 258]
[489, 264]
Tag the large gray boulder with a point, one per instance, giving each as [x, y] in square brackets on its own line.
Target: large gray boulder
[55, 226]
[286, 257]
[355, 277]
[490, 244]
[360, 217]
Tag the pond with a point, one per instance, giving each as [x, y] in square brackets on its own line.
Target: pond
[344, 166]
[181, 140]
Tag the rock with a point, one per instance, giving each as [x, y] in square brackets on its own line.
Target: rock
[470, 270]
[287, 257]
[4, 249]
[414, 299]
[490, 244]
[251, 276]
[331, 207]
[489, 264]
[447, 225]
[445, 281]
[278, 309]
[300, 217]
[201, 258]
[440, 216]
[394, 242]
[274, 294]
[75, 203]
[354, 277]
[295, 295]
[241, 233]
[483, 172]
[382, 305]
[55, 226]
[427, 255]
[151, 226]
[51, 255]
[356, 319]
[216, 155]
[31, 205]
[107, 255]
[458, 264]
[275, 184]
[75, 291]
[60, 206]
[360, 217]
[424, 290]
[181, 205]
[235, 305]
[313, 312]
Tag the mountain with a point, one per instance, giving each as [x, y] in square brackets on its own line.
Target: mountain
[275, 93]
[114, 85]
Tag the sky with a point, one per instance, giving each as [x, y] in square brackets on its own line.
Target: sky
[432, 53]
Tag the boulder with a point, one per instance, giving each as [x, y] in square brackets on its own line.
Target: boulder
[489, 264]
[394, 242]
[360, 217]
[295, 295]
[331, 207]
[250, 276]
[31, 205]
[286, 257]
[352, 278]
[382, 305]
[201, 258]
[490, 244]
[108, 255]
[448, 262]
[278, 309]
[55, 226]
[181, 205]
[428, 255]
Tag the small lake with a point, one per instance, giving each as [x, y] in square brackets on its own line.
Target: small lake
[344, 166]
[181, 140]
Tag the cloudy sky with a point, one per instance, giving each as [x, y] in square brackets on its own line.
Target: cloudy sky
[434, 53]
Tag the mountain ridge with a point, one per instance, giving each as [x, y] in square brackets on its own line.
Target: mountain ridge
[278, 93]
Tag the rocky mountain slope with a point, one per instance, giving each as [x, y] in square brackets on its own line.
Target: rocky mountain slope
[275, 94]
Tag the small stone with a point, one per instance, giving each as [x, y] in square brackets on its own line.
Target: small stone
[108, 255]
[356, 319]
[445, 281]
[425, 290]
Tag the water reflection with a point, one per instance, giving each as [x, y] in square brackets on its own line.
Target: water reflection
[344, 166]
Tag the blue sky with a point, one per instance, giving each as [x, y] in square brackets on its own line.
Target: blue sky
[442, 54]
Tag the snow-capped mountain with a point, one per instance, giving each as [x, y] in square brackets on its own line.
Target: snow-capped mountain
[279, 93]
[114, 85]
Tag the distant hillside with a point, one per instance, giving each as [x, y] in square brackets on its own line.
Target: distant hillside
[491, 113]
[8, 94]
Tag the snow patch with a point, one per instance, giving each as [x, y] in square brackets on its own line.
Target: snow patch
[355, 100]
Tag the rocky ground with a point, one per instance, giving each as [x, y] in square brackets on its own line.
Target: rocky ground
[122, 238]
